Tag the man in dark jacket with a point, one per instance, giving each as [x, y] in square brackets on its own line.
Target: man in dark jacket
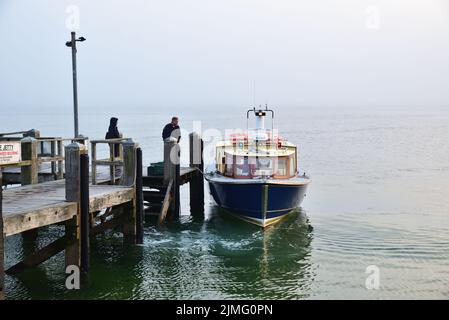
[171, 131]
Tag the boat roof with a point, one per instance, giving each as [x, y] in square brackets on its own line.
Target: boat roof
[250, 150]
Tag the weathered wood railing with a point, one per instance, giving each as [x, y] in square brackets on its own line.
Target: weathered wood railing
[35, 151]
[113, 161]
[79, 209]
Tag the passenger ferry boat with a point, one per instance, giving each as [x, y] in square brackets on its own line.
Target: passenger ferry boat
[255, 175]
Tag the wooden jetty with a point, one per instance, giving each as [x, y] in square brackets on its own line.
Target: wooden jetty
[85, 202]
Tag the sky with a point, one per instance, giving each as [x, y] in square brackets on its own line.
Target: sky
[219, 53]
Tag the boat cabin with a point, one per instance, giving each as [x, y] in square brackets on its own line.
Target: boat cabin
[243, 159]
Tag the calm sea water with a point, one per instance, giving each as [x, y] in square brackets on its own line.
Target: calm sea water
[378, 198]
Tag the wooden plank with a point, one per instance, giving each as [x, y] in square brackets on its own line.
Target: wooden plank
[49, 159]
[28, 207]
[166, 203]
[17, 223]
[105, 196]
[41, 255]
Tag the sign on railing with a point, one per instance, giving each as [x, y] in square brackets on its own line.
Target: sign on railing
[10, 152]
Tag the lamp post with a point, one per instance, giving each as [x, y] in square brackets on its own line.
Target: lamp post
[72, 44]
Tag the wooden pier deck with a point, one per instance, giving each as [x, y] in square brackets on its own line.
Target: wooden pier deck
[88, 198]
[34, 206]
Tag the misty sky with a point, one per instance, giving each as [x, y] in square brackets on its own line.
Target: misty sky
[158, 54]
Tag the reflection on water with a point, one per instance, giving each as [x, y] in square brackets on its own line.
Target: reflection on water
[216, 257]
[259, 264]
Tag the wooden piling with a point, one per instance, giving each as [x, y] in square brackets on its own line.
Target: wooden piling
[84, 212]
[60, 163]
[73, 153]
[29, 173]
[129, 179]
[197, 182]
[139, 197]
[172, 173]
[2, 245]
[176, 185]
[53, 163]
[129, 163]
[169, 169]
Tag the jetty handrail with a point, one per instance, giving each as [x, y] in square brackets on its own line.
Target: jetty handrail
[112, 161]
[109, 140]
[12, 133]
[35, 151]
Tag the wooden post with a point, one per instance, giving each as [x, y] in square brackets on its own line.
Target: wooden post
[172, 173]
[94, 164]
[72, 171]
[60, 153]
[82, 139]
[129, 163]
[169, 166]
[32, 133]
[177, 184]
[129, 179]
[112, 159]
[139, 197]
[72, 251]
[84, 211]
[197, 182]
[53, 154]
[2, 245]
[29, 174]
[73, 194]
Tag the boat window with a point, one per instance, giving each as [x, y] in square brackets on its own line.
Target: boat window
[292, 166]
[229, 165]
[282, 167]
[263, 167]
[242, 166]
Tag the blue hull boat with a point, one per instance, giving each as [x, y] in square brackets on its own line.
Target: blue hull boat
[255, 174]
[261, 202]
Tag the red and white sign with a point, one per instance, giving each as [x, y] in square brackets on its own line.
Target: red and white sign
[10, 152]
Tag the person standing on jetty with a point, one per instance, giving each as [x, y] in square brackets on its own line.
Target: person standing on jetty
[172, 132]
[113, 133]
